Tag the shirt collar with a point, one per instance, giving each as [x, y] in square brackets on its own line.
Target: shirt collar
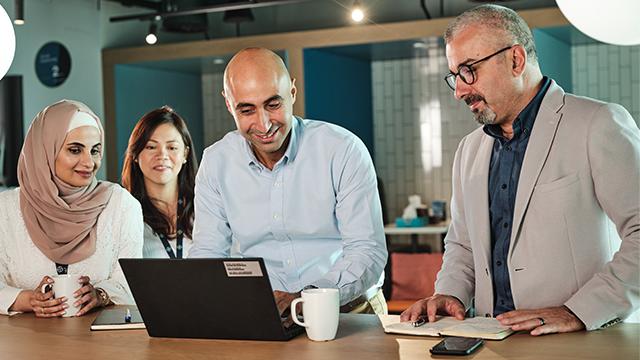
[527, 116]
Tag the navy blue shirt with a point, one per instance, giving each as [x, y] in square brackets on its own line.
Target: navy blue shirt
[504, 172]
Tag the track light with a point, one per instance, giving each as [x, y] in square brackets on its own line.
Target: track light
[19, 12]
[357, 13]
[152, 36]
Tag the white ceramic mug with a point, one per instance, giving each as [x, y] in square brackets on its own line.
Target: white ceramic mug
[65, 286]
[321, 311]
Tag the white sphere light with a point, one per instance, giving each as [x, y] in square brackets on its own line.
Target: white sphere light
[151, 39]
[357, 14]
[613, 22]
[7, 42]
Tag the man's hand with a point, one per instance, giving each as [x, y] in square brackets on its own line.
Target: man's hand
[436, 304]
[542, 321]
[283, 301]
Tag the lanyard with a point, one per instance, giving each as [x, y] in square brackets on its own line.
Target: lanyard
[179, 235]
[167, 246]
[62, 269]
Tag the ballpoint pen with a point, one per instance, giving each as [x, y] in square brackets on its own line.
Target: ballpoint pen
[421, 321]
[127, 316]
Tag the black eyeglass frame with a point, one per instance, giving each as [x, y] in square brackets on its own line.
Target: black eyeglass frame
[469, 67]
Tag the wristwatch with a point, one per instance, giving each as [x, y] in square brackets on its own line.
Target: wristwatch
[103, 297]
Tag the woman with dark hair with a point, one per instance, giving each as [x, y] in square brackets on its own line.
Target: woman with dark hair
[159, 170]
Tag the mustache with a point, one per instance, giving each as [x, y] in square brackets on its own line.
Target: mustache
[469, 99]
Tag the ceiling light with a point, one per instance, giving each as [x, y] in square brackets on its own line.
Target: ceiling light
[152, 36]
[218, 61]
[7, 42]
[357, 13]
[19, 12]
[615, 23]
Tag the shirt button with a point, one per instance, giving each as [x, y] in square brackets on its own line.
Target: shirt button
[498, 262]
[506, 225]
[503, 186]
[288, 262]
[275, 216]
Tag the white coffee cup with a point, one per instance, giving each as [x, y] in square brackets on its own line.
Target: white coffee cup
[321, 311]
[65, 286]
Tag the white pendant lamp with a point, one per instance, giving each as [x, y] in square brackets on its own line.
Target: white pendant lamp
[7, 42]
[612, 21]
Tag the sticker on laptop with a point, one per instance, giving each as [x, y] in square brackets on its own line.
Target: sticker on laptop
[243, 268]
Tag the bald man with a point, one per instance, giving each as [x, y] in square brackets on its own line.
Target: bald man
[302, 194]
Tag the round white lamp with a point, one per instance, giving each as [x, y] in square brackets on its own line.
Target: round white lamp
[612, 21]
[7, 42]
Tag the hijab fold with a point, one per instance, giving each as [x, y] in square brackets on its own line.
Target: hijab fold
[61, 219]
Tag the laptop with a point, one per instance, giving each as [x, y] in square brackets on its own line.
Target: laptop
[229, 298]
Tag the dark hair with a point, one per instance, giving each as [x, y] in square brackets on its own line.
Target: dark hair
[133, 179]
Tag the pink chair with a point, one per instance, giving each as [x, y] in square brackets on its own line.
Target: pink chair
[412, 278]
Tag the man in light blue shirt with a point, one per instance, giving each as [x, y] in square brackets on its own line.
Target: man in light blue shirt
[302, 194]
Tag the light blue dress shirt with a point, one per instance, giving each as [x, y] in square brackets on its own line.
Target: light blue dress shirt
[315, 218]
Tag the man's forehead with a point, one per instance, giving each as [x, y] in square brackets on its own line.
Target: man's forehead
[468, 44]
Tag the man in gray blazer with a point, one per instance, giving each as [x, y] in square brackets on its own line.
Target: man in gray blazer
[533, 191]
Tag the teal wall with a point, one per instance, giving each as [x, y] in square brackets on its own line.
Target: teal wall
[554, 56]
[139, 90]
[338, 90]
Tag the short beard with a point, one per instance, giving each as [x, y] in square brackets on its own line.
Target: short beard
[485, 117]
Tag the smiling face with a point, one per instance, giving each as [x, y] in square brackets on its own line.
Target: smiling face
[80, 156]
[259, 95]
[491, 97]
[162, 157]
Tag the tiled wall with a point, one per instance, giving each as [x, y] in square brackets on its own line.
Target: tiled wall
[217, 120]
[608, 73]
[417, 127]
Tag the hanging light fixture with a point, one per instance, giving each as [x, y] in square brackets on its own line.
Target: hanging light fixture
[152, 36]
[19, 12]
[357, 12]
[7, 42]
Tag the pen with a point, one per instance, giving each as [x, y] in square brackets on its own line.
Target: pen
[127, 316]
[421, 321]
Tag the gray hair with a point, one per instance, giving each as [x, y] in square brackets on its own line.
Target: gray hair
[498, 17]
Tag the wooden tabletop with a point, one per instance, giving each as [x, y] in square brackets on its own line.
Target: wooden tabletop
[25, 337]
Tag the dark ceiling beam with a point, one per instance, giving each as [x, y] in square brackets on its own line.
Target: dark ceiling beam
[153, 5]
[206, 9]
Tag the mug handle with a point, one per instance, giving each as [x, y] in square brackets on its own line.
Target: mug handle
[293, 312]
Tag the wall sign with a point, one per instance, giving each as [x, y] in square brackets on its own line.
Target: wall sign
[53, 64]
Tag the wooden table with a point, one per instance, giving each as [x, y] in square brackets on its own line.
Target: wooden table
[435, 229]
[25, 337]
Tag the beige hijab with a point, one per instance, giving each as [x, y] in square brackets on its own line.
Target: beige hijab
[61, 219]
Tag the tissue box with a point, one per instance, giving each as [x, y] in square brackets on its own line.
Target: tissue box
[417, 222]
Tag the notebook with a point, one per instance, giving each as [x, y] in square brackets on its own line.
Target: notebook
[476, 327]
[227, 298]
[114, 319]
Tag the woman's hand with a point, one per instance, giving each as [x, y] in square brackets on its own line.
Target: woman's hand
[43, 304]
[86, 296]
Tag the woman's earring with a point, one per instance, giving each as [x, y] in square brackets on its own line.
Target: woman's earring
[184, 161]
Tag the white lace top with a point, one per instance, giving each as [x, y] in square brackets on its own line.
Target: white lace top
[23, 265]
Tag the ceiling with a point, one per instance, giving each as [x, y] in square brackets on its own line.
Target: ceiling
[311, 14]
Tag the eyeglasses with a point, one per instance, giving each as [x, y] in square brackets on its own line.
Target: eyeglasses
[466, 72]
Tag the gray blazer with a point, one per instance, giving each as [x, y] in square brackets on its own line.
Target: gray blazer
[582, 166]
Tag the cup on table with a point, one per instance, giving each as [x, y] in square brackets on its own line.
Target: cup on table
[321, 310]
[65, 286]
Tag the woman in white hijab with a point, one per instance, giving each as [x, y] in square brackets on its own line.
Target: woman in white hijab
[61, 220]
